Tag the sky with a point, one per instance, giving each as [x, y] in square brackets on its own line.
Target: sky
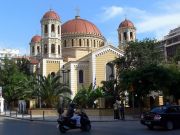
[20, 19]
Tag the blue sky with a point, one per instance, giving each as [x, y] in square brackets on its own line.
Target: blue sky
[20, 19]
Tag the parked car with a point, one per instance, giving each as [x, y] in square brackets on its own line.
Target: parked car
[165, 116]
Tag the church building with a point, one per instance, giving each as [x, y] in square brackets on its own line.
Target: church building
[77, 50]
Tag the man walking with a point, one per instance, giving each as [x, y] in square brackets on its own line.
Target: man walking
[122, 111]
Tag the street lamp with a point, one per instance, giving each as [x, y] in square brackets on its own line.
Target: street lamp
[38, 77]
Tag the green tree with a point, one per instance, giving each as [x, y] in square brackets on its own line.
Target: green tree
[23, 65]
[86, 96]
[139, 54]
[136, 70]
[50, 89]
[13, 82]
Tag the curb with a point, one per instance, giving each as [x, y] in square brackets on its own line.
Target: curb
[28, 119]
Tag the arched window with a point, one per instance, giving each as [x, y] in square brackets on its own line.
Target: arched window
[46, 28]
[58, 49]
[38, 49]
[53, 48]
[58, 29]
[109, 71]
[53, 74]
[52, 28]
[94, 43]
[72, 42]
[131, 35]
[88, 42]
[64, 43]
[45, 49]
[125, 36]
[32, 49]
[81, 76]
[80, 42]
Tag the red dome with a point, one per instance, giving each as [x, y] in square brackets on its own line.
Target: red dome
[36, 39]
[51, 15]
[126, 23]
[78, 25]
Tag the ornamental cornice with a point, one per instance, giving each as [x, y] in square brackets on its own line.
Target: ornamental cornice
[82, 35]
[81, 65]
[106, 49]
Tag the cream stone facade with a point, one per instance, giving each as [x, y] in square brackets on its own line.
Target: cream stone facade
[75, 50]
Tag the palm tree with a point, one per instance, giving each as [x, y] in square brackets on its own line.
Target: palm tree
[50, 89]
[86, 96]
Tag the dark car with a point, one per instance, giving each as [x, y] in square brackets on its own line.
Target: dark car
[165, 116]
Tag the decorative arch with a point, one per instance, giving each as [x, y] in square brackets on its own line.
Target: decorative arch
[53, 48]
[32, 49]
[58, 29]
[45, 49]
[110, 71]
[45, 28]
[81, 76]
[52, 28]
[53, 74]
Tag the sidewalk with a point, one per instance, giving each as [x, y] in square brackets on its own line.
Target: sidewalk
[16, 115]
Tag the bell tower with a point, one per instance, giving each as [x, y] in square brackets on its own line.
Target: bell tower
[126, 33]
[51, 35]
[51, 54]
[35, 46]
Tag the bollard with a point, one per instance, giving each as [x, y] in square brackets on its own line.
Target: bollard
[30, 115]
[43, 115]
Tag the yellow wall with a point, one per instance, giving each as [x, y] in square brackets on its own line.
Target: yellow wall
[52, 66]
[86, 79]
[101, 62]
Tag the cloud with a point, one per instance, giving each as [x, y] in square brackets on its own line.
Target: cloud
[155, 21]
[111, 12]
[8, 45]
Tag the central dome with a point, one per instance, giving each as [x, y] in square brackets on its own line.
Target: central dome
[80, 26]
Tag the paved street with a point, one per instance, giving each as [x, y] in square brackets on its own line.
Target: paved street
[19, 127]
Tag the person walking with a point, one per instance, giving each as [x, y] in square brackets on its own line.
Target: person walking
[116, 110]
[122, 111]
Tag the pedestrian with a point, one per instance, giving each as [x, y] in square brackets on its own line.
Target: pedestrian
[116, 110]
[122, 111]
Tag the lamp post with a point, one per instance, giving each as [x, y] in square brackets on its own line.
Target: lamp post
[38, 77]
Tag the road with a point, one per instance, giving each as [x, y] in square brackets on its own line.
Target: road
[19, 127]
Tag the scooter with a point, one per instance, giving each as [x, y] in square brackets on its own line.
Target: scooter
[66, 123]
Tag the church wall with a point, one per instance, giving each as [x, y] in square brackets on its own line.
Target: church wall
[86, 80]
[101, 62]
[52, 66]
[80, 54]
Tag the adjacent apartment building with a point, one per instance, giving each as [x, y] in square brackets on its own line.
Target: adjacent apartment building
[171, 43]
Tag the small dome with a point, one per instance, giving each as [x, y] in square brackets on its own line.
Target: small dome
[36, 39]
[80, 26]
[51, 15]
[126, 23]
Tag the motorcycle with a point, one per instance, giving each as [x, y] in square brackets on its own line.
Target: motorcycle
[66, 123]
